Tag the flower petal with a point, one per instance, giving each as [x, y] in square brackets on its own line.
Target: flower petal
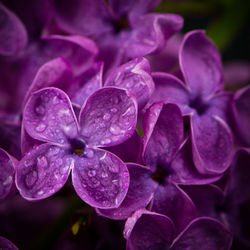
[135, 77]
[171, 201]
[87, 84]
[169, 88]
[212, 144]
[130, 150]
[13, 35]
[150, 32]
[55, 73]
[183, 171]
[201, 64]
[108, 117]
[242, 115]
[163, 134]
[205, 232]
[48, 116]
[100, 179]
[7, 172]
[82, 16]
[140, 192]
[148, 230]
[6, 244]
[42, 172]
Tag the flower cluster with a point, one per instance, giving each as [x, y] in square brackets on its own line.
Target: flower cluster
[90, 94]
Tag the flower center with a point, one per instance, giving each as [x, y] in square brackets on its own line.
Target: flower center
[198, 105]
[78, 146]
[160, 175]
[121, 24]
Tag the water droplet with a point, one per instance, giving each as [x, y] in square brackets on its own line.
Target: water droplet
[91, 173]
[27, 163]
[53, 151]
[61, 141]
[40, 110]
[42, 162]
[30, 179]
[103, 157]
[64, 169]
[115, 129]
[7, 181]
[106, 116]
[90, 153]
[41, 127]
[113, 168]
[40, 192]
[59, 162]
[55, 100]
[104, 175]
[113, 110]
[116, 201]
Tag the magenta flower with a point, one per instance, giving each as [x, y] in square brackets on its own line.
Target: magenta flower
[201, 98]
[99, 177]
[6, 244]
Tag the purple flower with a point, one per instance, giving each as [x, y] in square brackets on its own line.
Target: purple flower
[201, 98]
[122, 29]
[148, 230]
[7, 174]
[241, 113]
[6, 244]
[13, 35]
[99, 177]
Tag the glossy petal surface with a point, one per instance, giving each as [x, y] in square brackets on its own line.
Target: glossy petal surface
[162, 138]
[101, 179]
[13, 35]
[174, 203]
[201, 64]
[140, 192]
[212, 144]
[42, 172]
[147, 230]
[205, 232]
[7, 171]
[48, 116]
[108, 117]
[135, 77]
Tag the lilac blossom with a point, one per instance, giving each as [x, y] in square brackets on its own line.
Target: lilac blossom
[7, 174]
[6, 244]
[121, 29]
[148, 230]
[201, 98]
[99, 177]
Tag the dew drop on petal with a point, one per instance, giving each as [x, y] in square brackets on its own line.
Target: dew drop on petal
[7, 180]
[91, 173]
[40, 110]
[41, 127]
[115, 129]
[106, 116]
[113, 110]
[42, 162]
[30, 179]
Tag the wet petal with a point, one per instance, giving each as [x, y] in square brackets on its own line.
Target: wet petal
[140, 192]
[201, 64]
[48, 116]
[55, 73]
[148, 230]
[174, 203]
[135, 77]
[183, 171]
[82, 16]
[6, 244]
[212, 144]
[150, 32]
[108, 117]
[100, 179]
[242, 115]
[13, 35]
[130, 150]
[171, 89]
[43, 171]
[205, 232]
[163, 134]
[7, 172]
